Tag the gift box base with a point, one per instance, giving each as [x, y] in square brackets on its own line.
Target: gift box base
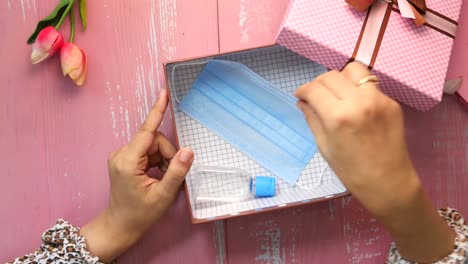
[284, 69]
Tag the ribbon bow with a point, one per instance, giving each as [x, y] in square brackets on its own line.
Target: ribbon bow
[413, 9]
[378, 16]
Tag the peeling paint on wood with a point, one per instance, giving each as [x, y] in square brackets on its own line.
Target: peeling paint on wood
[65, 133]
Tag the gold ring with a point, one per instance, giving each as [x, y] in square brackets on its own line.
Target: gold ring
[371, 78]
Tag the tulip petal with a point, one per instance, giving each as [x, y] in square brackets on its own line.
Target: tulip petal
[80, 81]
[38, 55]
[71, 59]
[47, 43]
[46, 38]
[57, 45]
[75, 73]
[74, 63]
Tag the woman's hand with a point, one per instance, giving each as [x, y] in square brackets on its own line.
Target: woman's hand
[137, 200]
[360, 132]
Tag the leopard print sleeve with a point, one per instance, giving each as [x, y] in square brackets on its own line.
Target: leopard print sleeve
[61, 244]
[459, 254]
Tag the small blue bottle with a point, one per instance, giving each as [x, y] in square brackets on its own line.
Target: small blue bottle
[221, 184]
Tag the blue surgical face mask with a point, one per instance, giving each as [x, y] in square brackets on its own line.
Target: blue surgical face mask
[257, 118]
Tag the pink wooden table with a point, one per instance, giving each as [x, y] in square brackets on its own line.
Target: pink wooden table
[55, 137]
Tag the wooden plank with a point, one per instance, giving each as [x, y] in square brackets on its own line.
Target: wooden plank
[249, 23]
[23, 185]
[56, 137]
[64, 134]
[338, 231]
[342, 231]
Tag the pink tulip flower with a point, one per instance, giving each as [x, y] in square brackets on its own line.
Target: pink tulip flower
[47, 43]
[74, 63]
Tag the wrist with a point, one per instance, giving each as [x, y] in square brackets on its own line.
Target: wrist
[401, 195]
[106, 236]
[391, 194]
[420, 234]
[407, 202]
[120, 230]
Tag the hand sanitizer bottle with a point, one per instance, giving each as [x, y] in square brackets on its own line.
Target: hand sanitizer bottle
[220, 184]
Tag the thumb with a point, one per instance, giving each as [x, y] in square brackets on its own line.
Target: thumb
[177, 170]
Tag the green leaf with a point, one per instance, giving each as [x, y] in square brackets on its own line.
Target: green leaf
[56, 17]
[72, 26]
[84, 19]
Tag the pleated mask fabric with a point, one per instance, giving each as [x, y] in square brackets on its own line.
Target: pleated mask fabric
[254, 116]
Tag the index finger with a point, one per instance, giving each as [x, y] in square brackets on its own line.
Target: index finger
[142, 141]
[156, 114]
[317, 97]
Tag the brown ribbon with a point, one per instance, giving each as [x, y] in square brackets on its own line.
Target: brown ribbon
[419, 8]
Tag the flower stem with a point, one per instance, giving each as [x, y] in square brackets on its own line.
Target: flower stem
[69, 7]
[72, 26]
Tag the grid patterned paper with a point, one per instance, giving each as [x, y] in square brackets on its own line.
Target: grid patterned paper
[285, 70]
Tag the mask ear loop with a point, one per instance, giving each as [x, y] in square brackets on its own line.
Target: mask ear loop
[173, 73]
[322, 173]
